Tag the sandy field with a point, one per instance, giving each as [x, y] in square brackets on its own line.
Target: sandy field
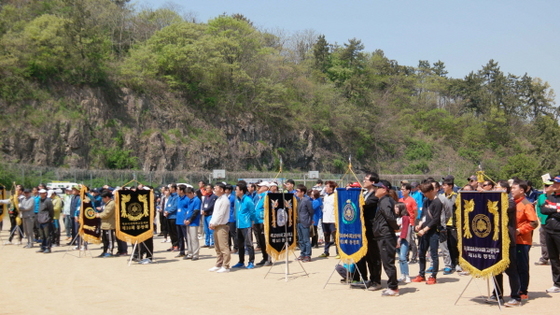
[65, 283]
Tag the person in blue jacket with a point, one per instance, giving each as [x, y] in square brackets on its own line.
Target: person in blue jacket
[182, 205]
[192, 221]
[244, 211]
[258, 219]
[171, 215]
[231, 221]
[317, 203]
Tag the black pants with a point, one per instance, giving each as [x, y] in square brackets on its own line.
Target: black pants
[181, 237]
[553, 246]
[388, 250]
[315, 237]
[245, 240]
[13, 224]
[371, 261]
[173, 232]
[108, 237]
[512, 274]
[147, 248]
[45, 229]
[163, 225]
[452, 246]
[232, 235]
[122, 247]
[261, 241]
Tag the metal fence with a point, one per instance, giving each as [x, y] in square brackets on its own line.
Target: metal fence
[32, 175]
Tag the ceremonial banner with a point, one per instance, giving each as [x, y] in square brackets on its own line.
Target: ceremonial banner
[280, 222]
[134, 215]
[350, 229]
[483, 238]
[90, 226]
[3, 206]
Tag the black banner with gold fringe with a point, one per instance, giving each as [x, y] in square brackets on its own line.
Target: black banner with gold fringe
[483, 238]
[280, 222]
[134, 215]
[90, 226]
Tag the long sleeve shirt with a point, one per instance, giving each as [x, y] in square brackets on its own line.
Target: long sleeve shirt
[526, 221]
[220, 215]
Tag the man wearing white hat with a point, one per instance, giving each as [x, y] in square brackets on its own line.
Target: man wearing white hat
[45, 219]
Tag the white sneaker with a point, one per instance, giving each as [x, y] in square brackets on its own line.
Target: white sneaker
[164, 241]
[401, 279]
[199, 236]
[553, 289]
[8, 243]
[222, 270]
[214, 268]
[17, 243]
[407, 279]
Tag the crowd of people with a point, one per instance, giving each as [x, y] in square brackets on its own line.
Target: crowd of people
[413, 223]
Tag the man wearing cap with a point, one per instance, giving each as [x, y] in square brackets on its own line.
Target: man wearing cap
[473, 181]
[384, 226]
[26, 207]
[552, 227]
[57, 206]
[66, 213]
[258, 221]
[45, 218]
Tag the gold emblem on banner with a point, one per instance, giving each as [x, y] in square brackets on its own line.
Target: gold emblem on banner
[481, 225]
[89, 213]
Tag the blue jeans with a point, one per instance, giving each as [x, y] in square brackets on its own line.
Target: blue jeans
[430, 241]
[403, 252]
[208, 233]
[304, 240]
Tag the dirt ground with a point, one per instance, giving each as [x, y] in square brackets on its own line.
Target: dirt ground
[65, 283]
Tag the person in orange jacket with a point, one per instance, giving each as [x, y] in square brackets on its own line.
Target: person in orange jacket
[527, 221]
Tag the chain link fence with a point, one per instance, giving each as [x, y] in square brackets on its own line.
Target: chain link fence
[31, 175]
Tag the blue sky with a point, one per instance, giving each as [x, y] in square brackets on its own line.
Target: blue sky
[522, 36]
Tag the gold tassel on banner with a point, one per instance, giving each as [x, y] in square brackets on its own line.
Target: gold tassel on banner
[120, 212]
[355, 257]
[272, 252]
[86, 237]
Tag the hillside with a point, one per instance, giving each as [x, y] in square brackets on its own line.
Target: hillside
[101, 84]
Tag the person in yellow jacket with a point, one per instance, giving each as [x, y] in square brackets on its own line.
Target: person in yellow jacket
[107, 216]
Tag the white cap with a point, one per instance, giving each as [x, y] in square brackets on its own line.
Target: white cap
[42, 191]
[272, 184]
[263, 183]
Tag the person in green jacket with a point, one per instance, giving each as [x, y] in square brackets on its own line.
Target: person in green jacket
[542, 218]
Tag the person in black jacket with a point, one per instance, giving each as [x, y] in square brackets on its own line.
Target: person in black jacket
[45, 219]
[384, 227]
[305, 220]
[552, 228]
[371, 261]
[428, 233]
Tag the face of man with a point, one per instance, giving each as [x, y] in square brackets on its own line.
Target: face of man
[473, 183]
[289, 186]
[219, 191]
[200, 184]
[516, 191]
[180, 192]
[300, 193]
[487, 186]
[367, 184]
[208, 189]
[43, 196]
[405, 191]
[250, 188]
[556, 187]
[75, 192]
[329, 189]
[238, 192]
[190, 195]
[447, 188]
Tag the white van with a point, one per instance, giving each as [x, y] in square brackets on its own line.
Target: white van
[61, 185]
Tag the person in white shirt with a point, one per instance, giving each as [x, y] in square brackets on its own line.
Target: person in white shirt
[329, 228]
[218, 224]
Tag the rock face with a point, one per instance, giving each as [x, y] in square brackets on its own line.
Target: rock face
[89, 127]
